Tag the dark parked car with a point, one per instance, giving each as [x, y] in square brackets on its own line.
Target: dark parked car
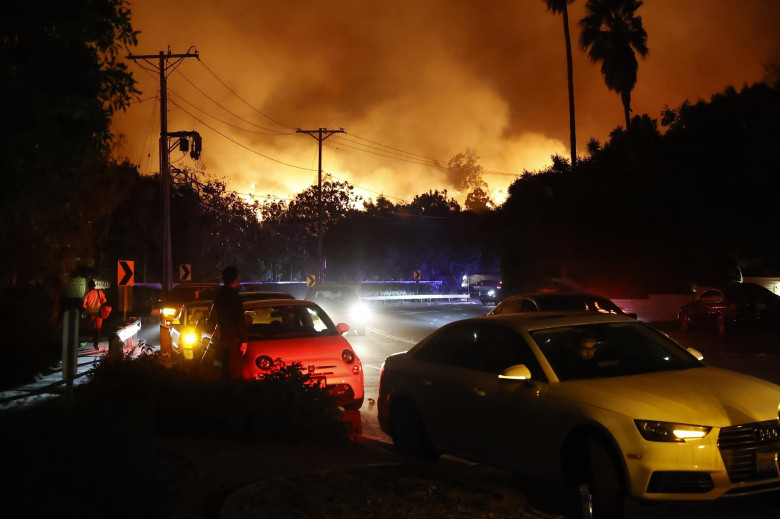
[558, 302]
[739, 305]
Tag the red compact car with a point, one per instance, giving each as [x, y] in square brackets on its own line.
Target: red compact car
[284, 332]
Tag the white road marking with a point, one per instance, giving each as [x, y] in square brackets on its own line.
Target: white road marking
[391, 336]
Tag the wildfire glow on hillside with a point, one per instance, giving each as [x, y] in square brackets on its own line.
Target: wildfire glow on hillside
[412, 83]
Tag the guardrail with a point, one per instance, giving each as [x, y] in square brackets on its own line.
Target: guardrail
[127, 335]
[417, 297]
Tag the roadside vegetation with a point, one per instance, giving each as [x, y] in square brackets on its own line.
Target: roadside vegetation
[109, 437]
[107, 452]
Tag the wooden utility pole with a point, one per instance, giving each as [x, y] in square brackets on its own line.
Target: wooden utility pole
[320, 135]
[165, 170]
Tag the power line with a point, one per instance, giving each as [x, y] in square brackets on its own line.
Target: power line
[243, 100]
[412, 157]
[266, 156]
[271, 132]
[373, 147]
[367, 189]
[267, 132]
[236, 142]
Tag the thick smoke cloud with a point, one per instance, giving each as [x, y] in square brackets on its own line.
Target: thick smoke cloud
[428, 79]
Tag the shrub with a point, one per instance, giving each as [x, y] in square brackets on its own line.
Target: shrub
[184, 398]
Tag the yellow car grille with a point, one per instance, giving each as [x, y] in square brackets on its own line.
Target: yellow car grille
[749, 451]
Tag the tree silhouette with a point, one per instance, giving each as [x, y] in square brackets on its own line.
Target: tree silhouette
[612, 34]
[478, 201]
[561, 7]
[62, 80]
[772, 70]
[464, 172]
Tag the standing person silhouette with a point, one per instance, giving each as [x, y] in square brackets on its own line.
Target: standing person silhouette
[231, 324]
[93, 300]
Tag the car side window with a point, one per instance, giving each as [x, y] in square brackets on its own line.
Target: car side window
[501, 347]
[528, 306]
[605, 306]
[482, 347]
[710, 296]
[510, 306]
[453, 346]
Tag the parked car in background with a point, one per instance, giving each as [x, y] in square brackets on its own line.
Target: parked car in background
[599, 400]
[738, 305]
[205, 327]
[492, 295]
[180, 312]
[342, 303]
[558, 302]
[284, 332]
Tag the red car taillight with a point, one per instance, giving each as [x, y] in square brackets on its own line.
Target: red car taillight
[348, 356]
[264, 362]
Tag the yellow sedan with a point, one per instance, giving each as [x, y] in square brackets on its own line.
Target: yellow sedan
[603, 401]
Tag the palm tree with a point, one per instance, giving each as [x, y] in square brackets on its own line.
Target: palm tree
[611, 34]
[560, 6]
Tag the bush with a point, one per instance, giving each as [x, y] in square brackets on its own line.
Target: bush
[106, 452]
[184, 398]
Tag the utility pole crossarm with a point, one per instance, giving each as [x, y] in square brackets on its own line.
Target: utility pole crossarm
[150, 56]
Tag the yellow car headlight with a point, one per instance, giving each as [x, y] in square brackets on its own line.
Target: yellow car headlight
[670, 432]
[188, 339]
[169, 312]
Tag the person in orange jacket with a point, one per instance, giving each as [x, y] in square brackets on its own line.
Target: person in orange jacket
[94, 299]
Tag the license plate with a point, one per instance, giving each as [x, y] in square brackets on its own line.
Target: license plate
[767, 463]
[318, 382]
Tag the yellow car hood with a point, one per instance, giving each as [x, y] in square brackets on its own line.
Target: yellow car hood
[703, 396]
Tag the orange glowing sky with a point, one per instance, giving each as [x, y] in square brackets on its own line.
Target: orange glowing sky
[415, 79]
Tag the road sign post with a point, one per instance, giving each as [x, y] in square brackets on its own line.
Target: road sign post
[125, 275]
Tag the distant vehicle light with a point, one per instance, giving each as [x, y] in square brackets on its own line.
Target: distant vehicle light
[360, 312]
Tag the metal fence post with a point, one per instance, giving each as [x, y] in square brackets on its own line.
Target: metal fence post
[70, 340]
